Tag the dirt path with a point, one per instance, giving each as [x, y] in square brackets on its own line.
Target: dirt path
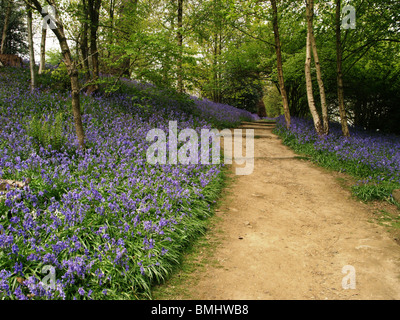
[288, 229]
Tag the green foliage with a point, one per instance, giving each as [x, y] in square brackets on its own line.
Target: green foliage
[293, 69]
[60, 76]
[47, 132]
[374, 191]
[16, 38]
[273, 102]
[160, 97]
[373, 90]
[53, 56]
[54, 79]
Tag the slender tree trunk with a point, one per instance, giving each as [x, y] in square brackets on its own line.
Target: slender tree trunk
[217, 51]
[324, 107]
[219, 74]
[84, 43]
[216, 67]
[76, 109]
[110, 33]
[342, 110]
[43, 51]
[5, 27]
[310, 95]
[180, 44]
[31, 49]
[133, 6]
[72, 72]
[279, 64]
[94, 12]
[261, 112]
[77, 46]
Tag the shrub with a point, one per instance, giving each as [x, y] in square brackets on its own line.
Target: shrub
[46, 132]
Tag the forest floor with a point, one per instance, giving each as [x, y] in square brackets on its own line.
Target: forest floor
[286, 232]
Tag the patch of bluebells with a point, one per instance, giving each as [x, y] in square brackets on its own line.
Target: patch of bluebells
[103, 218]
[373, 156]
[223, 112]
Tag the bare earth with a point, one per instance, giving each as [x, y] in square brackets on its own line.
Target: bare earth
[288, 229]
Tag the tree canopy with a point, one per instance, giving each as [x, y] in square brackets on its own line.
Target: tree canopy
[225, 50]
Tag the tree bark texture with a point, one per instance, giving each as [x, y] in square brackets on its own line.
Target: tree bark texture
[72, 72]
[42, 66]
[31, 49]
[340, 90]
[94, 13]
[310, 94]
[5, 27]
[180, 44]
[84, 46]
[324, 107]
[279, 64]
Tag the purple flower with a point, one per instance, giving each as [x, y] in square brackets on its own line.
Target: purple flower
[14, 249]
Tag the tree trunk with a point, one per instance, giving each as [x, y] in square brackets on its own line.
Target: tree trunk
[76, 108]
[342, 110]
[310, 95]
[5, 27]
[282, 87]
[31, 49]
[43, 51]
[84, 43]
[94, 12]
[324, 108]
[110, 32]
[261, 112]
[215, 84]
[219, 74]
[72, 72]
[180, 43]
[132, 7]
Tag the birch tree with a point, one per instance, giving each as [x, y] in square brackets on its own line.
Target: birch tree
[324, 107]
[309, 87]
[311, 46]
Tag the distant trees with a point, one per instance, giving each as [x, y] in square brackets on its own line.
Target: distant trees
[231, 51]
[356, 89]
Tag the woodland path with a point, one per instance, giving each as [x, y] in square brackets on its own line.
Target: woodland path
[288, 229]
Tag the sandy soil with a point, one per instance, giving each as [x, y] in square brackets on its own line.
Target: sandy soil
[289, 228]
